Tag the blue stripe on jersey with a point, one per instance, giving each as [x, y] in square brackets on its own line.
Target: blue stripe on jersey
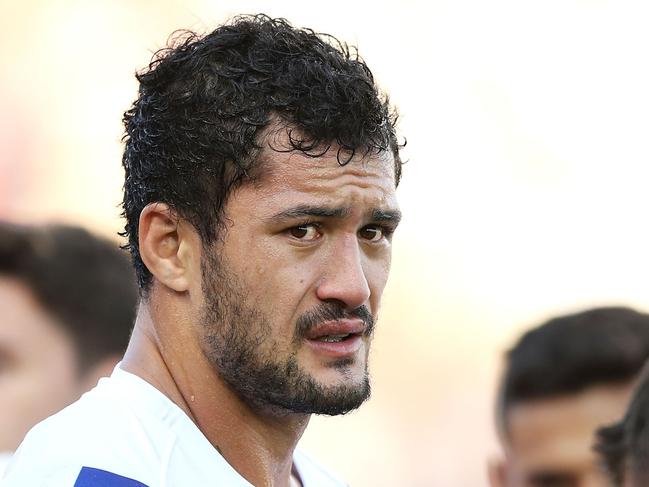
[94, 477]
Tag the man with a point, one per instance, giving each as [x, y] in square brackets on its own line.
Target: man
[68, 304]
[624, 446]
[563, 380]
[261, 165]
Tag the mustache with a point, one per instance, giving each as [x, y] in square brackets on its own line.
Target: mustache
[333, 312]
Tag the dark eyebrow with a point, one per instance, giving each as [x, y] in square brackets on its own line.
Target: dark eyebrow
[393, 216]
[310, 211]
[302, 211]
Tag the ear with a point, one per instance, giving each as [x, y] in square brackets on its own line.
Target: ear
[497, 473]
[167, 246]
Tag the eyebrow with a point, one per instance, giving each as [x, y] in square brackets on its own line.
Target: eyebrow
[312, 211]
[392, 216]
[302, 211]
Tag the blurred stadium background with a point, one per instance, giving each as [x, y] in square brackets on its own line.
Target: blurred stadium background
[525, 193]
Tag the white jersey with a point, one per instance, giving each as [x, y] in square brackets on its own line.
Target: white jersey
[4, 460]
[126, 433]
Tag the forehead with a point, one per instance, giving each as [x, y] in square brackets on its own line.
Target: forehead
[278, 164]
[279, 140]
[558, 433]
[364, 178]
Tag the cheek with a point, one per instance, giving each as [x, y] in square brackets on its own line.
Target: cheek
[377, 270]
[54, 371]
[33, 389]
[277, 273]
[272, 283]
[36, 386]
[285, 286]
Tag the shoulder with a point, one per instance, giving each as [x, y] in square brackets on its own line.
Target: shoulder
[313, 474]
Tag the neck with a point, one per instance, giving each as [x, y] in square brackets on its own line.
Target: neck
[164, 351]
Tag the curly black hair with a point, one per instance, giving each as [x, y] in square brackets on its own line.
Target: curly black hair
[195, 130]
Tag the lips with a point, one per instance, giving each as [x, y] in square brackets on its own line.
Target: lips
[333, 329]
[337, 338]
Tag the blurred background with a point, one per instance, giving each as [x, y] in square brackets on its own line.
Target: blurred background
[525, 194]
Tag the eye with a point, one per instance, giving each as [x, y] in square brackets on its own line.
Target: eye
[372, 233]
[307, 232]
[552, 479]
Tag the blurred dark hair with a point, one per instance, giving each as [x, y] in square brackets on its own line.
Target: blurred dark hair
[86, 283]
[624, 446]
[571, 353]
[196, 129]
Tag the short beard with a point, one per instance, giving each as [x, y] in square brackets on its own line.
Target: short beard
[238, 342]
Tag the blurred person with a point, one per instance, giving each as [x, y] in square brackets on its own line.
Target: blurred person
[623, 447]
[562, 381]
[68, 304]
[261, 166]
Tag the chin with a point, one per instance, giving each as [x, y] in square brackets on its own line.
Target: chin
[348, 372]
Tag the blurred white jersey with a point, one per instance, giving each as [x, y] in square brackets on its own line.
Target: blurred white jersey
[4, 460]
[126, 433]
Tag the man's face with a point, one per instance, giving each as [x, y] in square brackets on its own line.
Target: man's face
[551, 440]
[292, 290]
[38, 368]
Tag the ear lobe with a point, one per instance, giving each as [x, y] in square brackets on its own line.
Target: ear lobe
[162, 246]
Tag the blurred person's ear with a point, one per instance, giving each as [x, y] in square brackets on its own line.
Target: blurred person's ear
[497, 470]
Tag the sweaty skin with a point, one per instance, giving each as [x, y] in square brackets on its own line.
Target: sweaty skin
[288, 263]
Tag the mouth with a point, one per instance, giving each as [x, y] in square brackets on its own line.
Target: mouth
[337, 339]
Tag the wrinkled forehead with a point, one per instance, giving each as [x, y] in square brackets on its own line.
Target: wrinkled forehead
[285, 152]
[363, 186]
[293, 168]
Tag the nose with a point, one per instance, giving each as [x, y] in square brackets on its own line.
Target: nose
[344, 279]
